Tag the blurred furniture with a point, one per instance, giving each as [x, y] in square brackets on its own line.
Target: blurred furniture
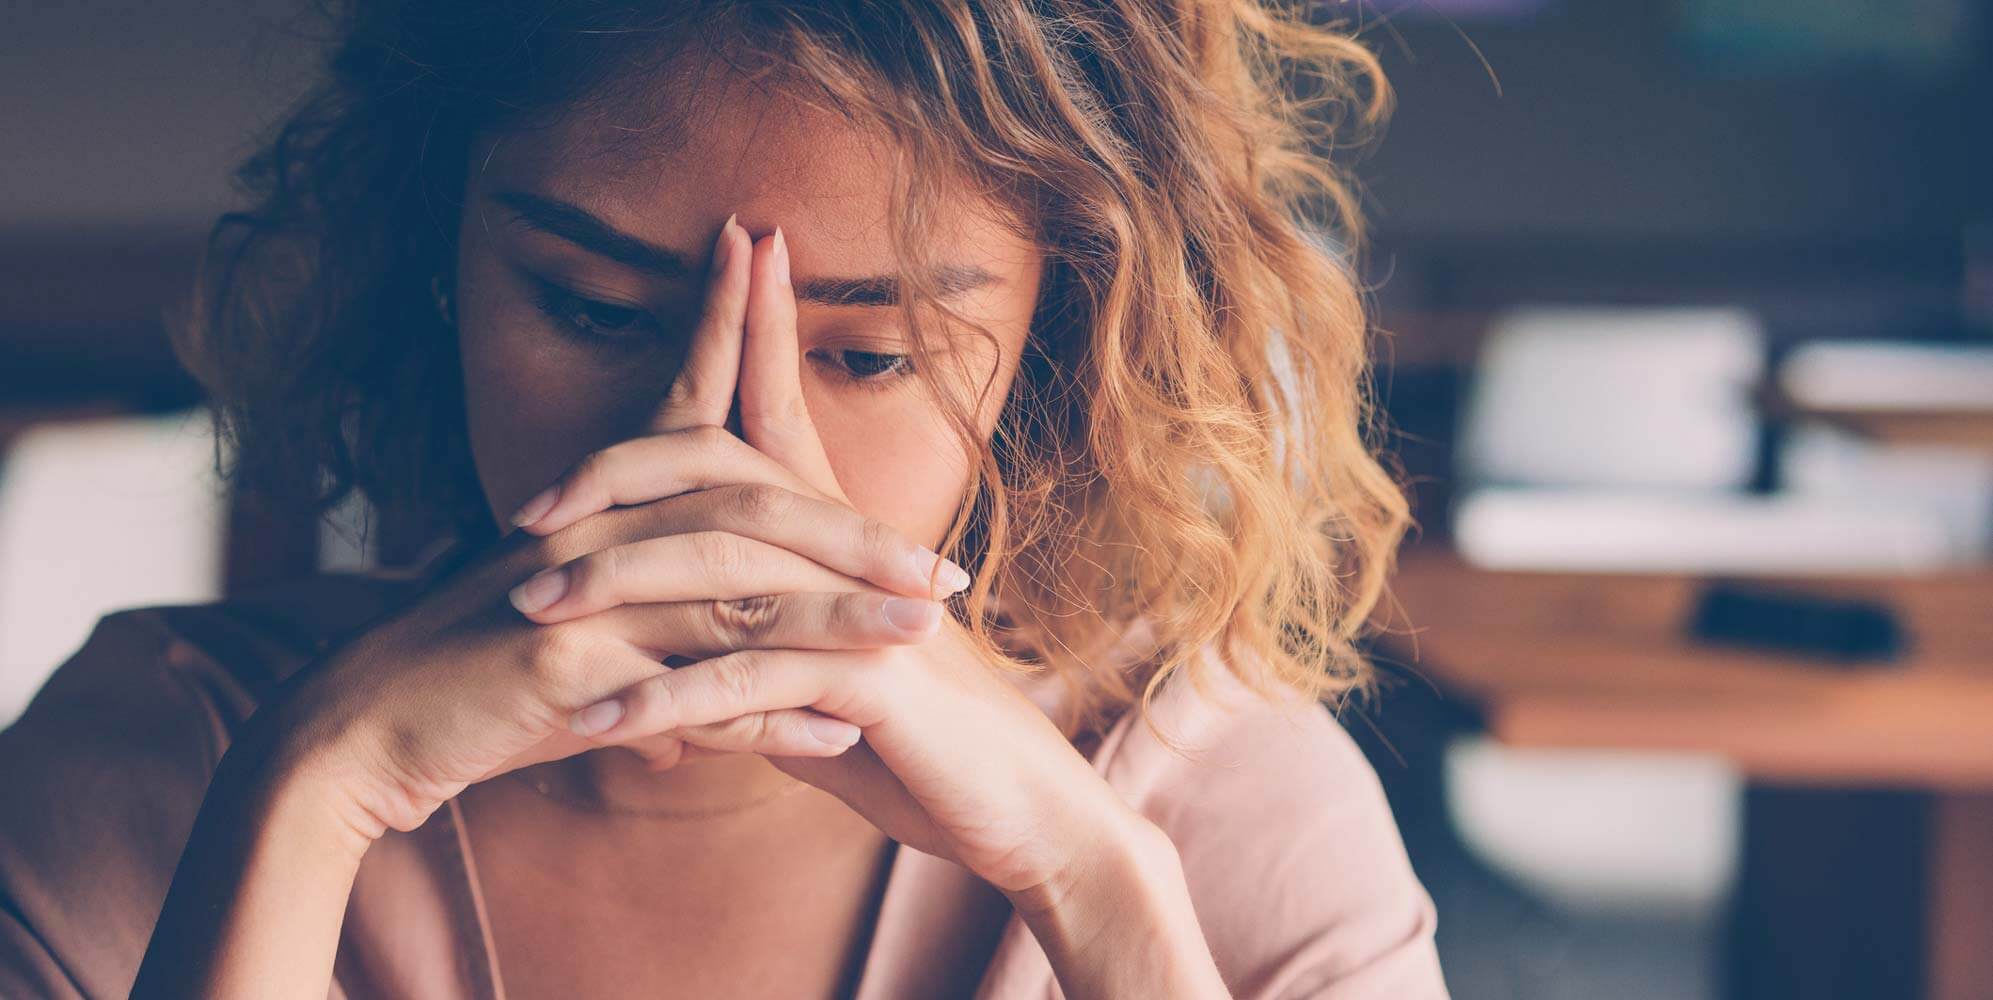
[1922, 394]
[1877, 778]
[83, 317]
[98, 514]
[1920, 427]
[1617, 398]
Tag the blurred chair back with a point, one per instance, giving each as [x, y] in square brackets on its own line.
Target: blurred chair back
[1646, 398]
[98, 515]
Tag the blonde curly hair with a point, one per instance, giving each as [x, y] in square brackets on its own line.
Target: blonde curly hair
[1188, 442]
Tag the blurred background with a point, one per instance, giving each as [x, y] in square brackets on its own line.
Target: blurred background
[1688, 313]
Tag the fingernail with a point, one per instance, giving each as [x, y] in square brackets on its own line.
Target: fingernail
[596, 718]
[950, 577]
[781, 258]
[910, 614]
[833, 732]
[723, 248]
[536, 508]
[540, 590]
[954, 577]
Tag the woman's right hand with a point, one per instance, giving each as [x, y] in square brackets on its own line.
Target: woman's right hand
[462, 686]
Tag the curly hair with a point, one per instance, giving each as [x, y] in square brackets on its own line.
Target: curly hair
[1189, 441]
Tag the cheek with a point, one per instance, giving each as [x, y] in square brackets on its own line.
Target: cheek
[908, 469]
[898, 456]
[531, 409]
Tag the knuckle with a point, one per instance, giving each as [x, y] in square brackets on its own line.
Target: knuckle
[746, 730]
[724, 555]
[849, 615]
[744, 620]
[879, 539]
[555, 655]
[736, 678]
[759, 503]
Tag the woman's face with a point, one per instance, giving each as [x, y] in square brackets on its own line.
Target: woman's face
[583, 253]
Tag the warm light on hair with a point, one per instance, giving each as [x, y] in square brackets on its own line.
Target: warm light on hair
[1188, 438]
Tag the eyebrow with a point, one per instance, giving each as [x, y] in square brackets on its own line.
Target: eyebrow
[582, 228]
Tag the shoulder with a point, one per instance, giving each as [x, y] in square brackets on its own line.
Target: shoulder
[105, 769]
[160, 674]
[1293, 859]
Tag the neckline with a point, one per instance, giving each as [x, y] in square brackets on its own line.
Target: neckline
[901, 916]
[470, 896]
[473, 912]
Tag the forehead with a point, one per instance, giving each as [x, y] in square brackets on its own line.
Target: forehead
[667, 158]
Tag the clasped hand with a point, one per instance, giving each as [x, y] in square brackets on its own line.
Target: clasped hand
[803, 631]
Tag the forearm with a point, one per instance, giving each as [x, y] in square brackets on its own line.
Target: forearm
[256, 903]
[1126, 927]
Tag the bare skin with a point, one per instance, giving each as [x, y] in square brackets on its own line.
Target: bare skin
[735, 485]
[778, 904]
[538, 401]
[533, 415]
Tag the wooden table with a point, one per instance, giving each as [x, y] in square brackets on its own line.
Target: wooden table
[1966, 430]
[1603, 661]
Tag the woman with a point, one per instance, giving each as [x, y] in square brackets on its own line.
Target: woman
[705, 330]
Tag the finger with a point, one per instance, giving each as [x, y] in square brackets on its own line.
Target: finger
[785, 732]
[666, 751]
[829, 533]
[565, 668]
[774, 416]
[650, 468]
[702, 565]
[725, 687]
[659, 751]
[864, 782]
[702, 629]
[703, 392]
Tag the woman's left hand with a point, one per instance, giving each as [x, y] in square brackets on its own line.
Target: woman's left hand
[955, 760]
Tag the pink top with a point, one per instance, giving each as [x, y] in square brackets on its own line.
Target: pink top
[1294, 864]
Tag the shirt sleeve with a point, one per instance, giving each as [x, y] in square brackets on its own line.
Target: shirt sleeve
[100, 779]
[1295, 865]
[27, 967]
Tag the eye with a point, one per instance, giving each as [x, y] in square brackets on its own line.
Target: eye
[867, 367]
[589, 319]
[872, 364]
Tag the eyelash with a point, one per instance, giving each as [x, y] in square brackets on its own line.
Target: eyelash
[899, 367]
[562, 307]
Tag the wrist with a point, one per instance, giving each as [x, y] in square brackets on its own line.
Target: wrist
[262, 884]
[312, 816]
[1121, 848]
[280, 798]
[286, 780]
[1120, 923]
